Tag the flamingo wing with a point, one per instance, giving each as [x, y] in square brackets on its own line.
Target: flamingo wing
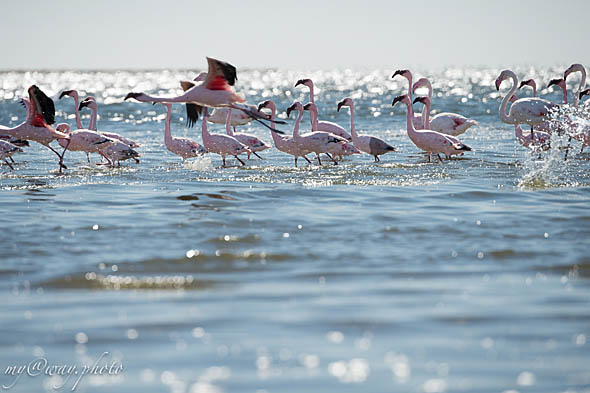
[220, 75]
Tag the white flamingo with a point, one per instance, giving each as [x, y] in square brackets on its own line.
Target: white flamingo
[184, 147]
[87, 141]
[365, 143]
[317, 125]
[432, 142]
[221, 144]
[90, 102]
[576, 67]
[447, 123]
[416, 118]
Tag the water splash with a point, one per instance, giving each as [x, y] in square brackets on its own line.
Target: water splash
[201, 163]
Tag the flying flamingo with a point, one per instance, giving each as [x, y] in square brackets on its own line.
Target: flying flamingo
[37, 126]
[430, 141]
[365, 143]
[317, 125]
[7, 149]
[426, 102]
[286, 144]
[531, 111]
[215, 91]
[221, 144]
[184, 147]
[252, 141]
[316, 141]
[447, 123]
[416, 118]
[87, 141]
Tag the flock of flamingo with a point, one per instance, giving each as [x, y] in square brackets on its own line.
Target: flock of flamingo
[213, 89]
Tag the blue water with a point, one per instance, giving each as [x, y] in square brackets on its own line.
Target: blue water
[402, 276]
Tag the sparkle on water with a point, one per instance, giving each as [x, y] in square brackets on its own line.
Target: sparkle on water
[401, 276]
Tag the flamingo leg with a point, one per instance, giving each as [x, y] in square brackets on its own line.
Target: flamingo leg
[332, 158]
[8, 163]
[238, 158]
[376, 159]
[223, 160]
[319, 161]
[296, 161]
[111, 163]
[88, 157]
[12, 159]
[306, 159]
[257, 155]
[567, 148]
[60, 156]
[439, 158]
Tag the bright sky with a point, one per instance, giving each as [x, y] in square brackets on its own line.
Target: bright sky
[42, 34]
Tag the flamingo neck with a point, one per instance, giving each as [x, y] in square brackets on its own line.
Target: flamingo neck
[77, 111]
[228, 128]
[507, 118]
[534, 86]
[581, 87]
[313, 117]
[204, 132]
[93, 118]
[275, 137]
[564, 88]
[352, 129]
[409, 122]
[311, 93]
[167, 135]
[426, 115]
[297, 122]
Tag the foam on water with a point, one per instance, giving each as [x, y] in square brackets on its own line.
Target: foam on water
[200, 163]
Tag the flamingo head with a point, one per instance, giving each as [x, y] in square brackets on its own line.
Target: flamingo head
[310, 107]
[422, 99]
[296, 106]
[304, 82]
[63, 127]
[528, 82]
[422, 82]
[345, 102]
[267, 104]
[584, 93]
[405, 73]
[573, 68]
[69, 93]
[201, 77]
[558, 82]
[403, 98]
[503, 75]
[89, 102]
[350, 149]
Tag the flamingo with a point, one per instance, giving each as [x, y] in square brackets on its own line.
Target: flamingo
[426, 102]
[221, 144]
[446, 123]
[74, 95]
[315, 141]
[118, 152]
[90, 102]
[252, 141]
[337, 150]
[531, 83]
[317, 125]
[584, 135]
[37, 126]
[15, 141]
[215, 91]
[365, 143]
[416, 118]
[7, 149]
[286, 144]
[531, 111]
[184, 147]
[432, 142]
[87, 141]
[576, 67]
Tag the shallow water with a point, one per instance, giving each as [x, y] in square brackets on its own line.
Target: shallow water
[406, 276]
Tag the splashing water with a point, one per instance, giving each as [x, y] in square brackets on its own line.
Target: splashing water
[200, 163]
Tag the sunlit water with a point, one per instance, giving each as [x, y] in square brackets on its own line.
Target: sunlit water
[402, 276]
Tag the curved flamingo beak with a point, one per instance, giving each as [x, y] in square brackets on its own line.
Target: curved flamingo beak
[524, 83]
[131, 95]
[398, 99]
[301, 82]
[65, 93]
[498, 83]
[340, 105]
[554, 82]
[262, 105]
[567, 72]
[82, 105]
[584, 93]
[399, 72]
[307, 106]
[290, 109]
[419, 99]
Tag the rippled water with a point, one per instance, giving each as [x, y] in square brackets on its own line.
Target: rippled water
[406, 276]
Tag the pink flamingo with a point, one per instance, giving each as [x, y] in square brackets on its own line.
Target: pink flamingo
[252, 141]
[286, 144]
[365, 143]
[37, 126]
[215, 91]
[416, 118]
[221, 144]
[7, 149]
[571, 69]
[531, 111]
[316, 141]
[184, 147]
[90, 102]
[430, 141]
[426, 102]
[84, 140]
[118, 151]
[447, 123]
[317, 125]
[337, 150]
[74, 95]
